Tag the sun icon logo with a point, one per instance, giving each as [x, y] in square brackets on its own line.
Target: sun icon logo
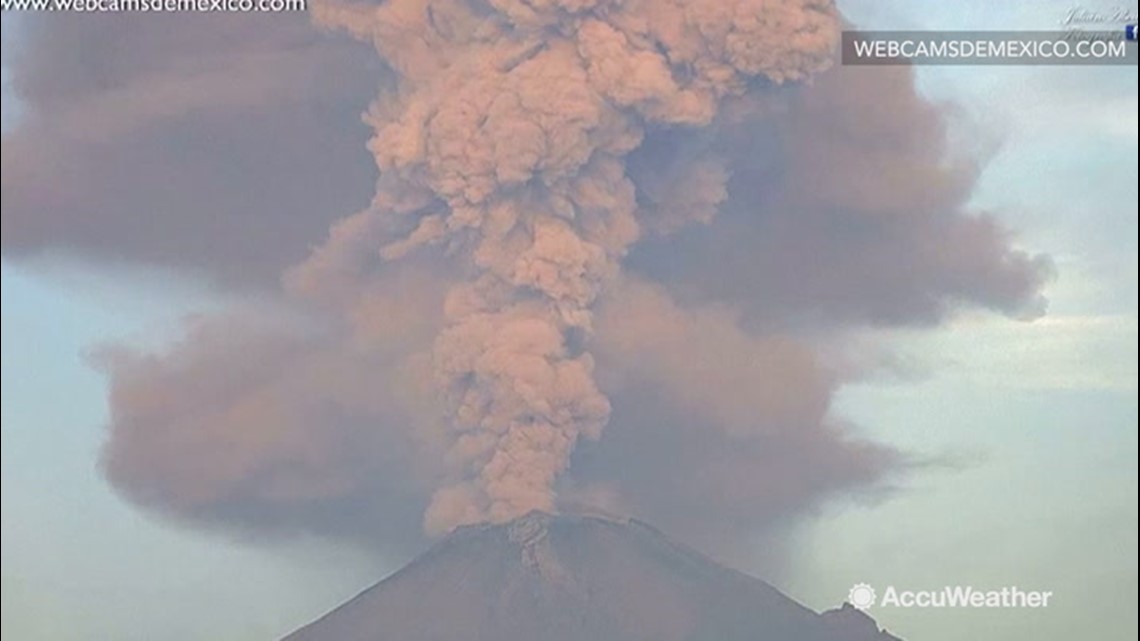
[861, 595]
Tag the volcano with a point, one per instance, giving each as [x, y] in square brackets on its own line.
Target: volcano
[576, 578]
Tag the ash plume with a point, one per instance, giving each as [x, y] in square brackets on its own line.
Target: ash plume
[613, 255]
[510, 132]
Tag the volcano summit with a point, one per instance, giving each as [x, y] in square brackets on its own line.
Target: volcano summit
[576, 578]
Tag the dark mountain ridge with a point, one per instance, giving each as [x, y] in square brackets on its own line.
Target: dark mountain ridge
[576, 578]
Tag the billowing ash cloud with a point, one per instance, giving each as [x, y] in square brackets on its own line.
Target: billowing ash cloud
[507, 143]
[613, 253]
[218, 143]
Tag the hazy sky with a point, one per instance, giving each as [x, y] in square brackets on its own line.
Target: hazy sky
[1032, 425]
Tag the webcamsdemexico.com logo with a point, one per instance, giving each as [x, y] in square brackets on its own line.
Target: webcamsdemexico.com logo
[864, 597]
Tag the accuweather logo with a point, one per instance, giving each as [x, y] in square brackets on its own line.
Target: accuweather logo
[861, 596]
[864, 597]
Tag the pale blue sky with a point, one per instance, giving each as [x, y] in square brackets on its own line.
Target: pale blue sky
[1039, 419]
[1037, 422]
